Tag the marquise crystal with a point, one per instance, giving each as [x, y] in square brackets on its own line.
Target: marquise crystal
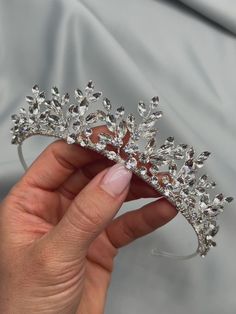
[182, 184]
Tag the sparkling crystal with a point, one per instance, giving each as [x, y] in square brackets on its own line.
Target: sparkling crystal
[150, 133]
[88, 132]
[107, 104]
[83, 106]
[29, 99]
[111, 155]
[214, 230]
[22, 111]
[14, 118]
[143, 170]
[83, 142]
[35, 89]
[71, 138]
[130, 121]
[101, 145]
[79, 95]
[117, 141]
[154, 169]
[144, 158]
[150, 122]
[95, 96]
[106, 138]
[91, 118]
[65, 99]
[53, 118]
[190, 153]
[154, 180]
[111, 122]
[154, 102]
[204, 201]
[41, 98]
[142, 109]
[76, 125]
[89, 88]
[229, 199]
[165, 180]
[173, 168]
[131, 163]
[55, 92]
[151, 145]
[203, 180]
[119, 112]
[218, 199]
[121, 129]
[170, 141]
[34, 108]
[101, 115]
[131, 148]
[56, 104]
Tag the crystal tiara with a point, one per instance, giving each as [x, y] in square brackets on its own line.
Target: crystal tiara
[181, 184]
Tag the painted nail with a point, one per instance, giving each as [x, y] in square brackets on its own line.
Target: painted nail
[116, 180]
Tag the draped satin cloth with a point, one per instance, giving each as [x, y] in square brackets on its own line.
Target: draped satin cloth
[184, 51]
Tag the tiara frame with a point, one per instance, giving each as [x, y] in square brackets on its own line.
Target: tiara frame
[181, 187]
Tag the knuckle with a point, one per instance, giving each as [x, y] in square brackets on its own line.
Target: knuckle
[88, 211]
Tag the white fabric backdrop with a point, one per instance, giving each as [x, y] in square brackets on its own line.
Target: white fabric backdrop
[134, 50]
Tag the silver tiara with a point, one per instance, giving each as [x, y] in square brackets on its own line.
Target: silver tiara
[182, 184]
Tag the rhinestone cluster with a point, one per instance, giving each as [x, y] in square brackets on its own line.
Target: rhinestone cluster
[182, 184]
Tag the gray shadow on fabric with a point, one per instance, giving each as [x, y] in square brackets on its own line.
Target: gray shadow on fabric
[198, 15]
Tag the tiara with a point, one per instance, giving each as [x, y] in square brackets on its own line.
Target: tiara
[182, 184]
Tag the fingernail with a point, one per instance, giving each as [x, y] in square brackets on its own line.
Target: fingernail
[116, 180]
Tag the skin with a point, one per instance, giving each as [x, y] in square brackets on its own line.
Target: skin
[59, 237]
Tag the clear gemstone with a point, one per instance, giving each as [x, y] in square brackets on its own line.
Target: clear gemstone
[131, 148]
[111, 155]
[91, 118]
[229, 199]
[107, 104]
[111, 122]
[131, 163]
[154, 180]
[88, 132]
[142, 109]
[173, 168]
[151, 145]
[121, 129]
[101, 115]
[83, 106]
[101, 145]
[165, 180]
[149, 133]
[154, 102]
[95, 96]
[55, 92]
[154, 169]
[190, 153]
[143, 170]
[76, 125]
[89, 88]
[35, 89]
[29, 99]
[71, 138]
[130, 121]
[79, 95]
[119, 112]
[106, 138]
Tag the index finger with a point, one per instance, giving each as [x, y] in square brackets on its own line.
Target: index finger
[59, 161]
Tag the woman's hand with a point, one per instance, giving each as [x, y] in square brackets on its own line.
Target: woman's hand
[58, 235]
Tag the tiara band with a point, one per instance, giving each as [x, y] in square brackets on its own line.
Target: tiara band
[182, 185]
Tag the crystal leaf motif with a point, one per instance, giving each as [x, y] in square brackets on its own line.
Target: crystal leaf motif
[183, 185]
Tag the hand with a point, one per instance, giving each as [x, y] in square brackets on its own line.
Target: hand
[58, 235]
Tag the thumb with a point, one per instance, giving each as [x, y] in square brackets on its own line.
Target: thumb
[92, 209]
